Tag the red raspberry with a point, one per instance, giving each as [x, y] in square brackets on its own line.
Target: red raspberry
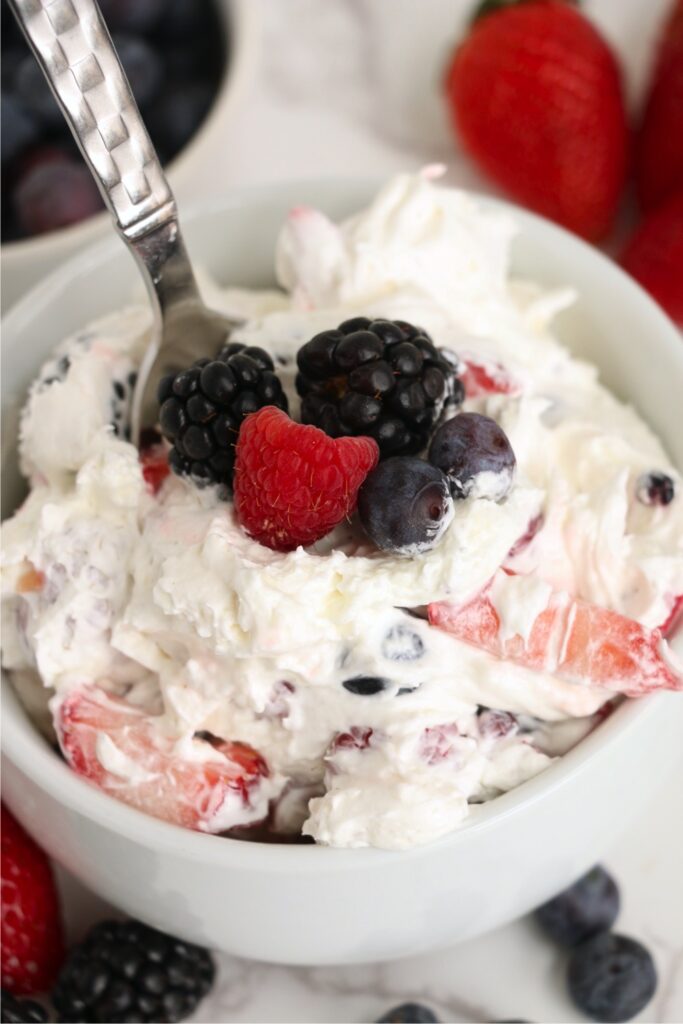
[294, 483]
[32, 936]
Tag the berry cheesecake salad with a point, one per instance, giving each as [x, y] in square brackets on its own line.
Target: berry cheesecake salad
[387, 555]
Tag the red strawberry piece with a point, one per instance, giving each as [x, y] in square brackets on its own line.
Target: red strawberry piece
[294, 483]
[659, 150]
[487, 379]
[654, 256]
[359, 737]
[572, 639]
[496, 724]
[535, 95]
[523, 542]
[438, 743]
[155, 467]
[675, 617]
[205, 795]
[32, 934]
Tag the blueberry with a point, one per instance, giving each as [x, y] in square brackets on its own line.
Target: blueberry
[655, 489]
[365, 686]
[143, 67]
[21, 1011]
[19, 128]
[405, 505]
[31, 88]
[588, 906]
[54, 195]
[409, 1013]
[132, 15]
[402, 644]
[177, 113]
[611, 977]
[475, 455]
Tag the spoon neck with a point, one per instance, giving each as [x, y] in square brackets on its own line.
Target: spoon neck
[165, 266]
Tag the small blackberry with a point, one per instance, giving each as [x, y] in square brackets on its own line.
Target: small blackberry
[381, 378]
[21, 1011]
[203, 406]
[126, 971]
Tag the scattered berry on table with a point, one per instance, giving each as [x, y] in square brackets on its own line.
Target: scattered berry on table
[125, 970]
[536, 98]
[659, 144]
[655, 489]
[611, 977]
[293, 483]
[654, 255]
[32, 935]
[405, 505]
[409, 1013]
[476, 456]
[202, 409]
[55, 194]
[380, 378]
[588, 906]
[21, 1011]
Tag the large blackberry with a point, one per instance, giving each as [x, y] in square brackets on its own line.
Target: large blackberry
[21, 1011]
[126, 971]
[202, 409]
[381, 378]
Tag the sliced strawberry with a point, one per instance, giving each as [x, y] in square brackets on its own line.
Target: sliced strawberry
[674, 619]
[155, 468]
[487, 379]
[358, 737]
[438, 743]
[523, 542]
[570, 638]
[208, 795]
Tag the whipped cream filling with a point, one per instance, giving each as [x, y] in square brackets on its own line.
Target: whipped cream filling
[164, 599]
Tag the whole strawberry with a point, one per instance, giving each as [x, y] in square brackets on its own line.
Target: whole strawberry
[654, 255]
[294, 483]
[535, 95]
[32, 935]
[659, 151]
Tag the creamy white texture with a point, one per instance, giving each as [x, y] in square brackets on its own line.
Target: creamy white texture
[167, 599]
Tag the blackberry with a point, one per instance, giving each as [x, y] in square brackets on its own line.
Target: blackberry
[202, 408]
[21, 1011]
[381, 378]
[126, 971]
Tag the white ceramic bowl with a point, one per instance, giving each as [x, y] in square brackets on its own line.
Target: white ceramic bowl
[26, 262]
[309, 904]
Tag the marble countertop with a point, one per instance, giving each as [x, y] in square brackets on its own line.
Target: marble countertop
[350, 87]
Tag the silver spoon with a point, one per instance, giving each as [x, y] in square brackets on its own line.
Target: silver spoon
[76, 54]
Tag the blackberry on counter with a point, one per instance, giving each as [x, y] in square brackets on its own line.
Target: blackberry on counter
[202, 408]
[380, 378]
[21, 1011]
[126, 971]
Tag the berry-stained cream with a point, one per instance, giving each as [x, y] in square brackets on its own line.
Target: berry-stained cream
[358, 696]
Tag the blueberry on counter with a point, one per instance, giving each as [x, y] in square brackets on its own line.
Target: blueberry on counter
[405, 505]
[476, 456]
[588, 906]
[655, 489]
[409, 1013]
[611, 977]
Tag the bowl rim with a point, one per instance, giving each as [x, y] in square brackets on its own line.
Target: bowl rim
[28, 751]
[242, 19]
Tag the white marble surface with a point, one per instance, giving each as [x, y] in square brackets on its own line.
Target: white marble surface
[350, 87]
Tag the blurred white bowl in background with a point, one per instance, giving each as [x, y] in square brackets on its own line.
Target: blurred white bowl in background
[25, 262]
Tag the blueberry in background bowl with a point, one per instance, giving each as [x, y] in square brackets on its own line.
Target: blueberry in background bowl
[175, 53]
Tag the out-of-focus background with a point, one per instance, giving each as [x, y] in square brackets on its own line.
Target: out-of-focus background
[334, 88]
